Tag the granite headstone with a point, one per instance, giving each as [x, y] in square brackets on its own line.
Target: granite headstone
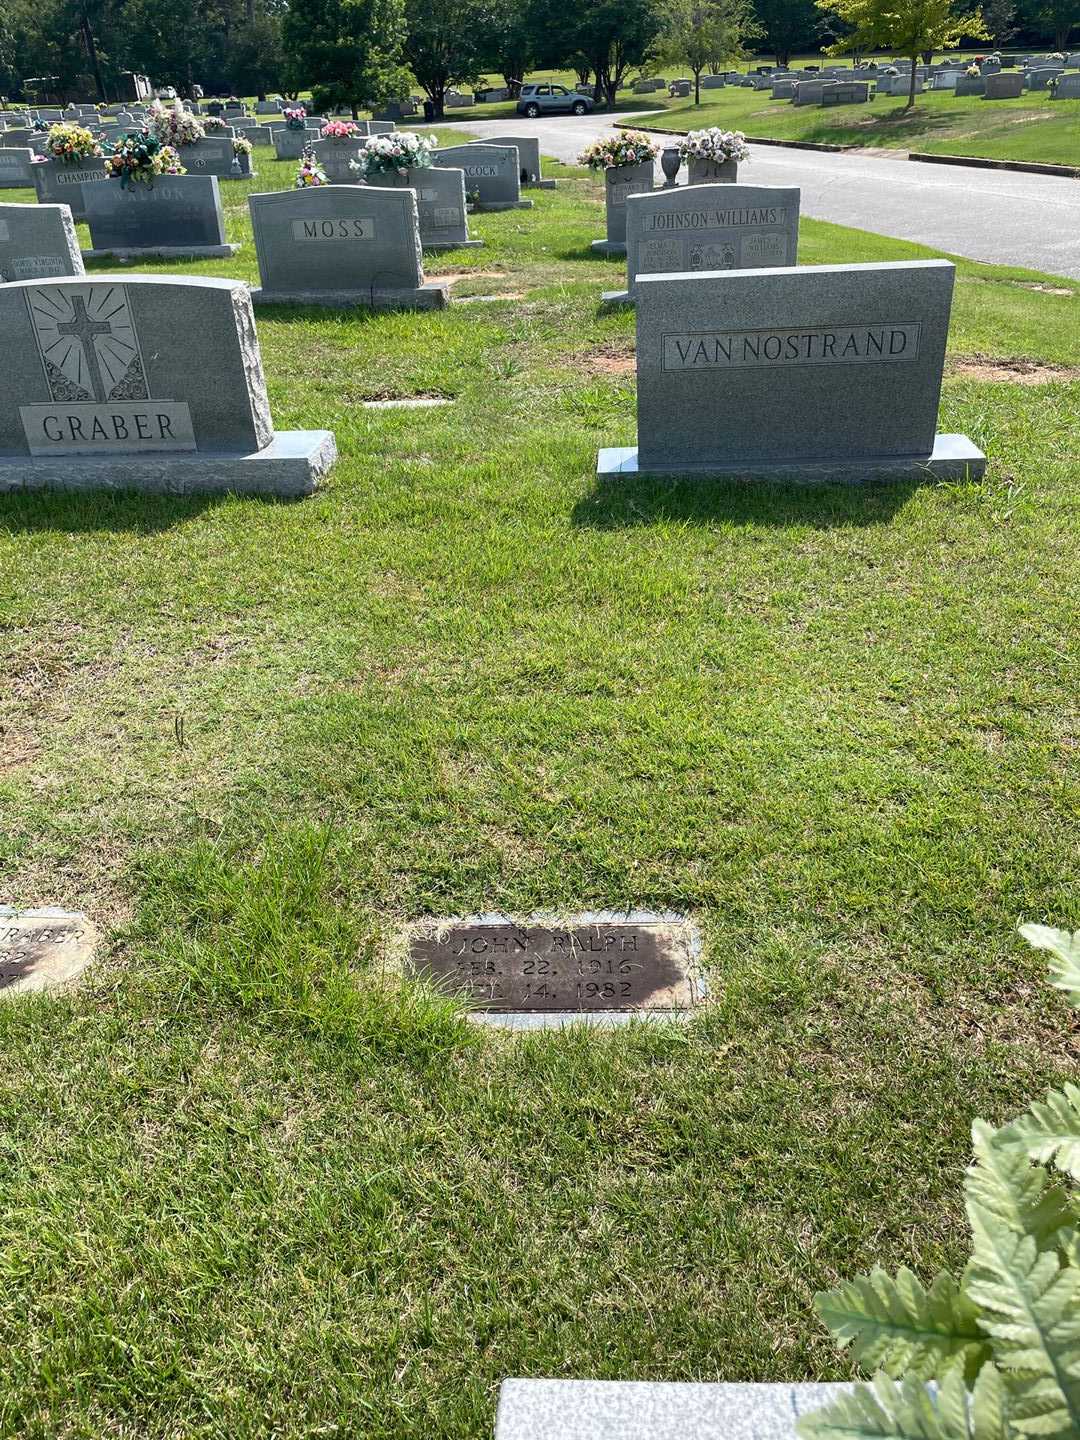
[342, 245]
[828, 372]
[38, 242]
[17, 168]
[147, 383]
[179, 216]
[492, 174]
[58, 183]
[528, 148]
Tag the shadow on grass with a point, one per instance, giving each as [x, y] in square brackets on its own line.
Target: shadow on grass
[83, 511]
[628, 501]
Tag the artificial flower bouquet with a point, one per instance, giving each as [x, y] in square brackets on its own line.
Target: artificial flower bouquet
[398, 153]
[628, 147]
[295, 117]
[241, 145]
[714, 145]
[72, 143]
[139, 158]
[174, 125]
[310, 173]
[213, 124]
[340, 130]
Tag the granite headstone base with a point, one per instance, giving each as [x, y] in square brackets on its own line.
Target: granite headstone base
[432, 295]
[290, 466]
[954, 457]
[163, 252]
[654, 1410]
[614, 248]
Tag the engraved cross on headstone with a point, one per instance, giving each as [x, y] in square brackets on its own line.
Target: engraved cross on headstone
[84, 329]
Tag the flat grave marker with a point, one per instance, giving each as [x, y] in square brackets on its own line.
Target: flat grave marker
[106, 384]
[41, 949]
[655, 1410]
[542, 970]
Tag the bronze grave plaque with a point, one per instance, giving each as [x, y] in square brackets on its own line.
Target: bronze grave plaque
[587, 963]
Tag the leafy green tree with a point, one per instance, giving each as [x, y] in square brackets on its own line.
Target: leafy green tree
[445, 44]
[703, 32]
[510, 42]
[350, 48]
[603, 38]
[906, 27]
[788, 26]
[998, 17]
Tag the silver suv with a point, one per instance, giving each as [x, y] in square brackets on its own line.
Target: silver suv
[551, 99]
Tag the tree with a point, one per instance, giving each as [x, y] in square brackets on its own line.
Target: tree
[702, 32]
[1062, 17]
[605, 38]
[788, 26]
[509, 47]
[906, 27]
[350, 47]
[445, 41]
[998, 17]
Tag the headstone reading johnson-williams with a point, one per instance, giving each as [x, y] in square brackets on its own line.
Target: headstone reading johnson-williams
[105, 383]
[342, 245]
[38, 242]
[827, 372]
[545, 971]
[179, 216]
[708, 227]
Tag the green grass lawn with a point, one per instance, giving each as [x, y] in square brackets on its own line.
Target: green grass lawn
[253, 1186]
[1031, 128]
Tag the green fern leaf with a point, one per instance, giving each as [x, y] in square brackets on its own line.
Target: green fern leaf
[1065, 949]
[901, 1328]
[901, 1411]
[1049, 1131]
[988, 1405]
[1004, 1184]
[1030, 1301]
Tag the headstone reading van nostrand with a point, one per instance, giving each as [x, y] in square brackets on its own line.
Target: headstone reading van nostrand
[38, 242]
[708, 227]
[342, 245]
[544, 971]
[142, 383]
[822, 373]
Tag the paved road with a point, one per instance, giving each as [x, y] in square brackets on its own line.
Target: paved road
[1000, 216]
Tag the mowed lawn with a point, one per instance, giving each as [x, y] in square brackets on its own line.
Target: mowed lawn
[1032, 128]
[255, 1186]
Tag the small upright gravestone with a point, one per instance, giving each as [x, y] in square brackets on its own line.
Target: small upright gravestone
[654, 1410]
[1067, 88]
[16, 168]
[178, 217]
[58, 183]
[1008, 86]
[970, 85]
[845, 92]
[492, 174]
[38, 242]
[106, 384]
[620, 182]
[342, 245]
[528, 148]
[291, 144]
[336, 157]
[542, 971]
[708, 227]
[808, 92]
[440, 205]
[739, 374]
[214, 155]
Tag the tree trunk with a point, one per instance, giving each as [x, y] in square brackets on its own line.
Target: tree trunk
[783, 57]
[914, 77]
[91, 50]
[697, 85]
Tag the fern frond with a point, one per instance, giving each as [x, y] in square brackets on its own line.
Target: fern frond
[901, 1328]
[1004, 1184]
[1029, 1299]
[903, 1410]
[989, 1405]
[1049, 1131]
[1065, 949]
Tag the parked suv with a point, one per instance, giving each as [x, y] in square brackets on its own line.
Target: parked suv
[550, 99]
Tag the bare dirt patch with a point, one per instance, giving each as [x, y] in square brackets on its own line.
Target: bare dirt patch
[615, 359]
[1044, 289]
[452, 277]
[1018, 371]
